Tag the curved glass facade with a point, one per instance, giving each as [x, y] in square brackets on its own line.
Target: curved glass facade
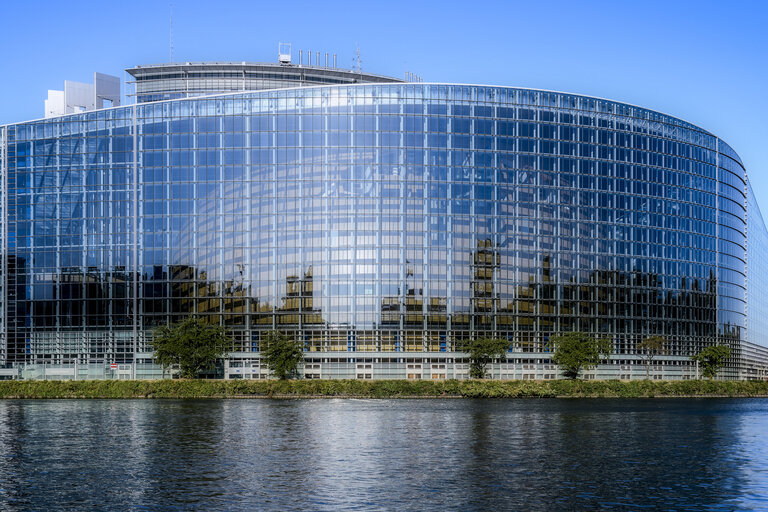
[184, 80]
[382, 221]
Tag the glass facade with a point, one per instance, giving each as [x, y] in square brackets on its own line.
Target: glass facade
[757, 263]
[184, 80]
[379, 223]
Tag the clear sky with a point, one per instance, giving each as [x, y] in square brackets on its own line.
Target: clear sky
[703, 61]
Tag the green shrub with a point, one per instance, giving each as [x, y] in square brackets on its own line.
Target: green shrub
[377, 388]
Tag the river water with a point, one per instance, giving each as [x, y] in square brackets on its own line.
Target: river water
[670, 454]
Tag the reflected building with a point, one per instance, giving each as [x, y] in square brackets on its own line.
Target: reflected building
[380, 222]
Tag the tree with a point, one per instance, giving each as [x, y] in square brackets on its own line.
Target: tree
[192, 344]
[652, 346]
[712, 358]
[282, 354]
[574, 351]
[483, 351]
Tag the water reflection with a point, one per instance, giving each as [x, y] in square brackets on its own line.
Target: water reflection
[383, 455]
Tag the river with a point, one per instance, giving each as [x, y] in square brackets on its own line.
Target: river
[547, 454]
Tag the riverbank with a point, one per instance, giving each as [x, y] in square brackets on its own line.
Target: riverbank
[378, 389]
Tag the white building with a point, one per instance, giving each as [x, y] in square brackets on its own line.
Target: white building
[79, 97]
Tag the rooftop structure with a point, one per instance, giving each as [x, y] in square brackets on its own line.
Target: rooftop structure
[183, 80]
[80, 97]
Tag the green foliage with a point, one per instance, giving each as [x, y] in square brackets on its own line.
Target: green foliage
[483, 351]
[712, 358]
[192, 344]
[576, 351]
[200, 388]
[282, 354]
[651, 347]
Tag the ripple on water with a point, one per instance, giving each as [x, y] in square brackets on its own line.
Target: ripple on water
[384, 454]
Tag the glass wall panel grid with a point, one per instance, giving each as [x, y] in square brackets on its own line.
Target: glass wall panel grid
[379, 219]
[757, 298]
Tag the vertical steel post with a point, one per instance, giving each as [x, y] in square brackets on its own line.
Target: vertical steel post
[136, 269]
[3, 244]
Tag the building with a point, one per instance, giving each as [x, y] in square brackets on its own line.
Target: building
[104, 92]
[185, 80]
[382, 222]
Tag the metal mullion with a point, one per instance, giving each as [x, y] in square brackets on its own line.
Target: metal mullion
[4, 242]
[136, 234]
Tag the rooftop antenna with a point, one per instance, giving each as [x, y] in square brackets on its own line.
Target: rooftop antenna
[358, 61]
[171, 32]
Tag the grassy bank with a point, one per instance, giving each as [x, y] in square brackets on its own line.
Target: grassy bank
[377, 389]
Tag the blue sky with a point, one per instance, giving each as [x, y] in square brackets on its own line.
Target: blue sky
[705, 62]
